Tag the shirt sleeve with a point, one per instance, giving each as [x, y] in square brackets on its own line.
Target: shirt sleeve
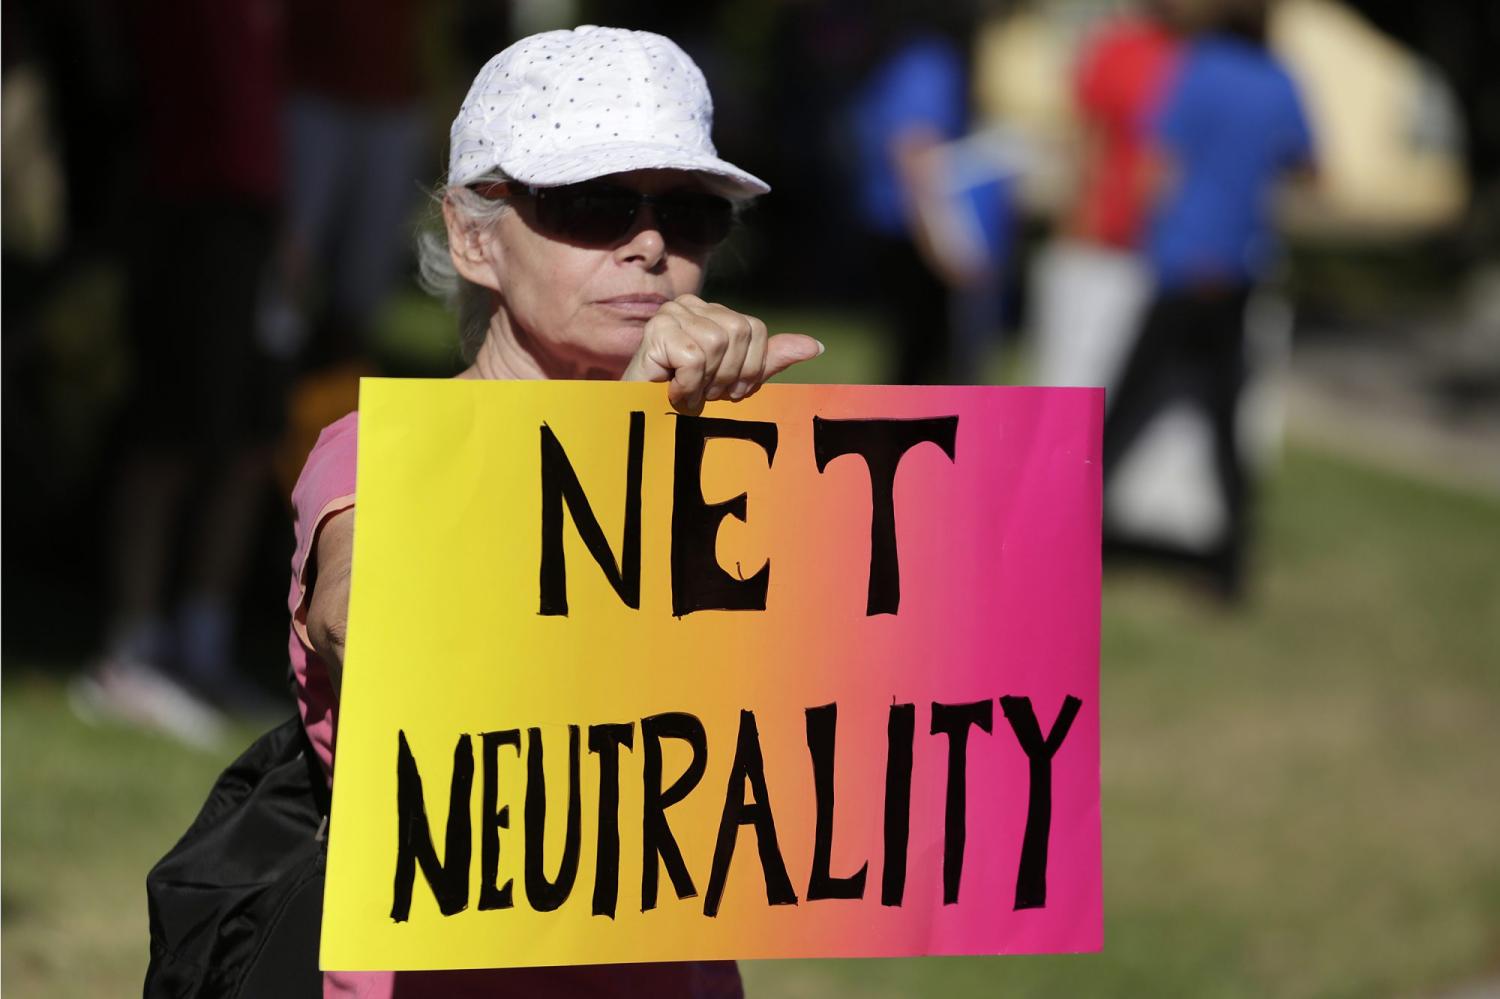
[1300, 148]
[325, 488]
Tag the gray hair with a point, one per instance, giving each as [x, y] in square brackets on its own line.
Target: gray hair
[473, 304]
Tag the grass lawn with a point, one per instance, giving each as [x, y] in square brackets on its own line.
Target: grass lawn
[1300, 798]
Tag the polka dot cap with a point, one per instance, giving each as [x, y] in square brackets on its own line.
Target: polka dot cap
[566, 106]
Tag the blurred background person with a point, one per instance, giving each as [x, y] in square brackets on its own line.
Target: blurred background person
[205, 404]
[1091, 285]
[911, 100]
[1231, 125]
[355, 140]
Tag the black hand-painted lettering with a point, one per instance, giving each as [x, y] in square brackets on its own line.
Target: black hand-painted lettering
[495, 818]
[881, 443]
[1031, 877]
[448, 878]
[698, 581]
[822, 729]
[559, 485]
[954, 720]
[748, 767]
[545, 894]
[656, 835]
[606, 741]
[900, 730]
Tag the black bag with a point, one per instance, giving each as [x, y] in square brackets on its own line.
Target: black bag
[237, 905]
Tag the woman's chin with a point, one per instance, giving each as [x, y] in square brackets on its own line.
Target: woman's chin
[601, 350]
[617, 346]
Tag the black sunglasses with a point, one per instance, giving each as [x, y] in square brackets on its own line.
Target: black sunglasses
[599, 214]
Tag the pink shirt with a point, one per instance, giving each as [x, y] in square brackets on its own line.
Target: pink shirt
[326, 487]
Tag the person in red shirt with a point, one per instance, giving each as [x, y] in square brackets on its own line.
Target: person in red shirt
[1119, 84]
[1090, 286]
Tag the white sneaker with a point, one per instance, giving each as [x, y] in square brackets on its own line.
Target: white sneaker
[138, 693]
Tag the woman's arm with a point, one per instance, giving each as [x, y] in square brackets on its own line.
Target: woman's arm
[328, 603]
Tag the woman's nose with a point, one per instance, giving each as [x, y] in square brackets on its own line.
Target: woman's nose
[644, 242]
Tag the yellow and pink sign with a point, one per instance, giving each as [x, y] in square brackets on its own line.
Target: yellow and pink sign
[812, 675]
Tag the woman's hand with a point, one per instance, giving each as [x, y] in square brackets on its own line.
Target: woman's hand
[707, 352]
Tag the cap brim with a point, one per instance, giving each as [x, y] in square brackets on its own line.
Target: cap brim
[590, 162]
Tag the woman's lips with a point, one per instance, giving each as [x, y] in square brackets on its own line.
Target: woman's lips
[634, 306]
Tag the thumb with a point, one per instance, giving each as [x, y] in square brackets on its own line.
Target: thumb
[786, 349]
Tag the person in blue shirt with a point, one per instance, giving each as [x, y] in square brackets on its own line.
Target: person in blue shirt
[910, 102]
[1232, 124]
[1230, 127]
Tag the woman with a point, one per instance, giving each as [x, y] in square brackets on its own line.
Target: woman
[582, 202]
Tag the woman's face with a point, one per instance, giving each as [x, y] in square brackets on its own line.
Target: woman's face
[579, 311]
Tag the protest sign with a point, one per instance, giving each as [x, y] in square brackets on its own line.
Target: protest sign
[813, 675]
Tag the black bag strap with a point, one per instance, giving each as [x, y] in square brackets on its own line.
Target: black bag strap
[322, 795]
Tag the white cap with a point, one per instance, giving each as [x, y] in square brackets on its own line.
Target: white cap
[567, 106]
